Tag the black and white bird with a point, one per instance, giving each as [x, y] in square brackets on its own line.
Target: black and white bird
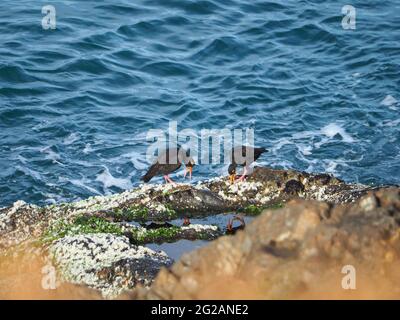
[243, 156]
[169, 161]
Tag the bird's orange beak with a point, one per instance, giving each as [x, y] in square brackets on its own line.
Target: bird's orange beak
[188, 169]
[232, 178]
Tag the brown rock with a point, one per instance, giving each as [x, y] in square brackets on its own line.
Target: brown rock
[297, 252]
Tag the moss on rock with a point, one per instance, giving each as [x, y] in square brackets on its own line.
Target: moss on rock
[163, 234]
[254, 210]
[137, 235]
[130, 214]
[80, 225]
[140, 235]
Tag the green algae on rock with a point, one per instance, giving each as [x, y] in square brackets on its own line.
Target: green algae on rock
[134, 213]
[80, 225]
[140, 235]
[253, 210]
[136, 234]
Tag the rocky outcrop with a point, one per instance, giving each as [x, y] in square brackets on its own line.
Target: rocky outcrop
[298, 251]
[165, 202]
[100, 242]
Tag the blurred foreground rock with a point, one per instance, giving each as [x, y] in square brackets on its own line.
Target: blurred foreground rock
[296, 252]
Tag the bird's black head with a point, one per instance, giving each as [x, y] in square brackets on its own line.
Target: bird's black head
[189, 167]
[190, 163]
[232, 172]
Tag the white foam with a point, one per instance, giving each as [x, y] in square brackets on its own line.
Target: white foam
[71, 138]
[304, 149]
[390, 102]
[109, 181]
[333, 129]
[135, 158]
[40, 125]
[22, 159]
[51, 155]
[392, 123]
[277, 145]
[285, 164]
[330, 167]
[80, 183]
[137, 137]
[88, 148]
[52, 198]
[305, 140]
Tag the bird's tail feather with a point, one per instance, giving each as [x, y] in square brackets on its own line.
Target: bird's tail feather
[146, 178]
[150, 173]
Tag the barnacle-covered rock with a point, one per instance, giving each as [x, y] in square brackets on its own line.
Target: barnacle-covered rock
[106, 262]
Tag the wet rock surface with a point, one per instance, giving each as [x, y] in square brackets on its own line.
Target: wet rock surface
[297, 251]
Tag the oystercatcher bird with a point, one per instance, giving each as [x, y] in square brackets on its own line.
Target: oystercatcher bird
[169, 161]
[243, 156]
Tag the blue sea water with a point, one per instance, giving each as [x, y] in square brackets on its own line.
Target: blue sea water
[77, 102]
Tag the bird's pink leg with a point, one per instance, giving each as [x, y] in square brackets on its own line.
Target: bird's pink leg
[169, 179]
[243, 176]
